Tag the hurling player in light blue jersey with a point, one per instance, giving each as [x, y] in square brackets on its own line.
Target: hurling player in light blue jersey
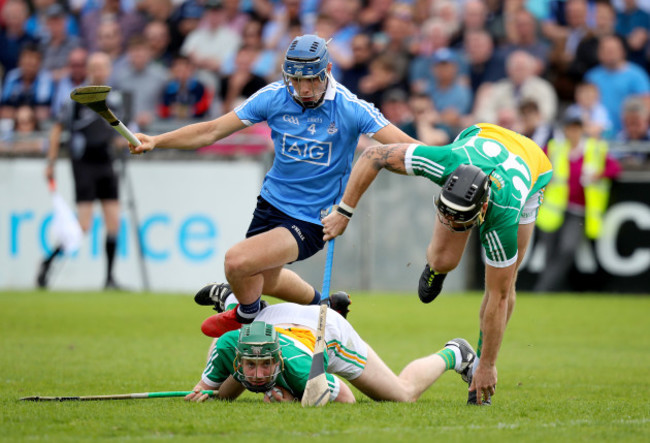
[316, 124]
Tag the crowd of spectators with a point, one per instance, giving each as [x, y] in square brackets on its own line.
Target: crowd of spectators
[433, 66]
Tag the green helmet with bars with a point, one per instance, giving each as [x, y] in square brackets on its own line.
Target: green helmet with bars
[258, 349]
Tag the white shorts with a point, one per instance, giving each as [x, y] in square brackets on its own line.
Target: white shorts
[531, 208]
[346, 351]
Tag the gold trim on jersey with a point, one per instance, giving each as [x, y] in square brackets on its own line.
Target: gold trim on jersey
[302, 335]
[519, 145]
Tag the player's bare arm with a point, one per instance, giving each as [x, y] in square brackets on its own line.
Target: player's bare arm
[373, 160]
[498, 282]
[190, 137]
[230, 389]
[392, 134]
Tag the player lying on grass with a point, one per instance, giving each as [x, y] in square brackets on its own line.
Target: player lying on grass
[273, 355]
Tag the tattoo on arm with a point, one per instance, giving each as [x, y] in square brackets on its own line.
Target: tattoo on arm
[390, 157]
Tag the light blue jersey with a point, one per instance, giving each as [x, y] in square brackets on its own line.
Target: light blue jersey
[314, 148]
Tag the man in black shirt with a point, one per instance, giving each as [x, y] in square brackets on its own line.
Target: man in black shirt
[90, 145]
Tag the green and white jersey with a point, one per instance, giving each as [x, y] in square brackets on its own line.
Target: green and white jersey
[296, 359]
[346, 354]
[518, 169]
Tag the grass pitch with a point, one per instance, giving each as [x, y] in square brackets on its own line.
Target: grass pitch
[571, 368]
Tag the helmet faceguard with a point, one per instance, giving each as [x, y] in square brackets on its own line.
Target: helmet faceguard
[305, 69]
[259, 359]
[460, 203]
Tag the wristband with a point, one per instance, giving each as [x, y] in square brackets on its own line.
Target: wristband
[345, 210]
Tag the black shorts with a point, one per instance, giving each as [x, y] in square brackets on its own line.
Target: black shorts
[309, 236]
[94, 181]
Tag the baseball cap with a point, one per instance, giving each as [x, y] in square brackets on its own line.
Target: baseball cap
[394, 95]
[191, 10]
[572, 116]
[55, 10]
[213, 4]
[444, 55]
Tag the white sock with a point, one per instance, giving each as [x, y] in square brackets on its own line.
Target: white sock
[459, 356]
[231, 300]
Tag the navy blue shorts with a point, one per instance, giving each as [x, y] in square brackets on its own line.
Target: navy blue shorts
[309, 236]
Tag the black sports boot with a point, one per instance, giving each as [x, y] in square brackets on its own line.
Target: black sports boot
[111, 285]
[471, 396]
[430, 284]
[44, 268]
[340, 302]
[41, 278]
[214, 294]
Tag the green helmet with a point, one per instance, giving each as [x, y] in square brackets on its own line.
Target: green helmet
[258, 350]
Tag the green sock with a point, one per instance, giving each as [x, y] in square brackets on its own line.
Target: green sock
[449, 356]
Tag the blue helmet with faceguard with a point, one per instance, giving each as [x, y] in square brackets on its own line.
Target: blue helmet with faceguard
[306, 60]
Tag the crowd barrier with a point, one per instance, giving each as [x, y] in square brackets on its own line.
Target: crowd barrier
[193, 208]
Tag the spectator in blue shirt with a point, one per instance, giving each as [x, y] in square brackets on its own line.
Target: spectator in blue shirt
[450, 97]
[616, 78]
[13, 35]
[634, 24]
[37, 26]
[28, 84]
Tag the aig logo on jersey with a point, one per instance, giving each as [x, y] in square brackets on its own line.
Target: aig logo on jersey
[307, 150]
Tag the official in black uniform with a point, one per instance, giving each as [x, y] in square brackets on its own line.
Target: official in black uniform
[91, 147]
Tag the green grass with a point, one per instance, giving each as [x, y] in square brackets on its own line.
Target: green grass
[572, 368]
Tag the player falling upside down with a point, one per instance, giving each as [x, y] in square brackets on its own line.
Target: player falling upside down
[274, 354]
[492, 178]
[315, 124]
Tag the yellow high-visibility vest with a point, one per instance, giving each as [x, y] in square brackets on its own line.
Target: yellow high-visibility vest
[556, 195]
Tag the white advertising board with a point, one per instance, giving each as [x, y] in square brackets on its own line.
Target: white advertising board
[189, 213]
